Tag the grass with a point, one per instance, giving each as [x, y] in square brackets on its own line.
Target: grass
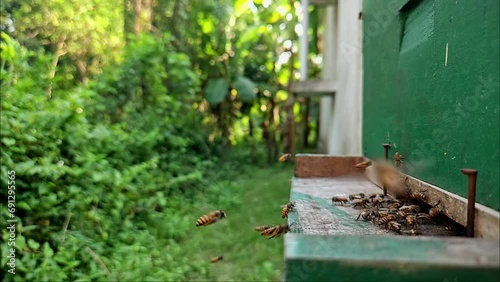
[252, 199]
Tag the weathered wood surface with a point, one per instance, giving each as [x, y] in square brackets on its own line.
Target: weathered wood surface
[487, 220]
[313, 165]
[323, 176]
[389, 258]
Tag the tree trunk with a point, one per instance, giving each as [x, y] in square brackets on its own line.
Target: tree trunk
[137, 16]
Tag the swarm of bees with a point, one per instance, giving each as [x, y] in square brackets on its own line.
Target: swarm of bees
[265, 230]
[399, 216]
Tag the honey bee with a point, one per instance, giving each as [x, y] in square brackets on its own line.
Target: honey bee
[366, 214]
[394, 226]
[288, 207]
[434, 211]
[411, 220]
[422, 215]
[395, 205]
[216, 259]
[210, 218]
[261, 228]
[418, 195]
[386, 176]
[386, 219]
[401, 215]
[364, 164]
[276, 231]
[377, 201]
[339, 199]
[398, 158]
[410, 208]
[285, 157]
[375, 195]
[356, 196]
[360, 202]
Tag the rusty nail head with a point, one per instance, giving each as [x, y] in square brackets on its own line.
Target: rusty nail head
[386, 150]
[471, 199]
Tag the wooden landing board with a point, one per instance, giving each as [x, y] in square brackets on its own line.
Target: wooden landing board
[384, 258]
[315, 214]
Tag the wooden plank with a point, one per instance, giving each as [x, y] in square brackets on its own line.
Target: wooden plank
[390, 258]
[315, 213]
[487, 220]
[323, 2]
[315, 165]
[311, 87]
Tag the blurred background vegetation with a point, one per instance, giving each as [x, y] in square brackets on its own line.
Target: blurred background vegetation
[125, 121]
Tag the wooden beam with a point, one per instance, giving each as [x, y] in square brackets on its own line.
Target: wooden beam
[322, 2]
[389, 258]
[314, 87]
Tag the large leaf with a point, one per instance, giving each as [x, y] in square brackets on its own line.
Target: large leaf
[216, 90]
[245, 88]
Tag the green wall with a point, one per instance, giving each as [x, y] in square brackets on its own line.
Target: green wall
[441, 114]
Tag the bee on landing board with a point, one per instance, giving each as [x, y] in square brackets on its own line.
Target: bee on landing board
[287, 208]
[285, 157]
[434, 211]
[216, 259]
[394, 226]
[276, 231]
[358, 196]
[210, 218]
[340, 199]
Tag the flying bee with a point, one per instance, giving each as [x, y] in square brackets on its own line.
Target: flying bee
[398, 158]
[339, 199]
[261, 228]
[411, 220]
[288, 207]
[360, 202]
[216, 259]
[356, 196]
[394, 226]
[285, 157]
[276, 231]
[210, 218]
[410, 208]
[386, 219]
[364, 164]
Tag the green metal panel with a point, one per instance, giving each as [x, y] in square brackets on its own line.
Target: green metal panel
[431, 88]
[390, 258]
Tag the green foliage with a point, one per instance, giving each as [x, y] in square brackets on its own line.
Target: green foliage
[110, 173]
[115, 150]
[216, 90]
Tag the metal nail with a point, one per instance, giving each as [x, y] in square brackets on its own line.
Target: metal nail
[386, 150]
[471, 199]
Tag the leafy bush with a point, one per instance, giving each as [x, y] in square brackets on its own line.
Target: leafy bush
[93, 179]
